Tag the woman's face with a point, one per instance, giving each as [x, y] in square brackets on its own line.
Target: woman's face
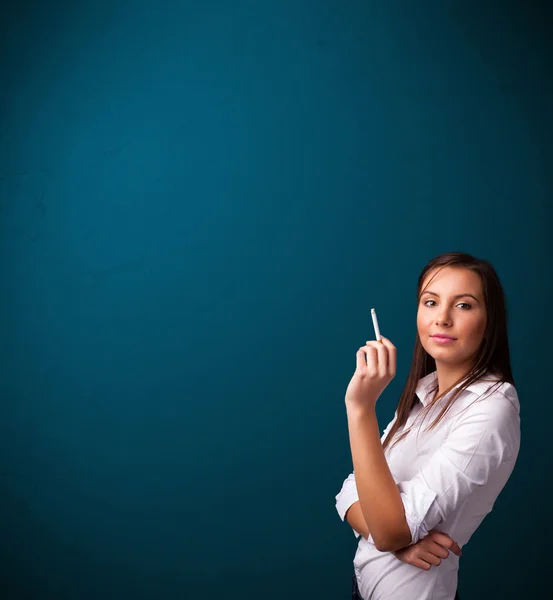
[452, 310]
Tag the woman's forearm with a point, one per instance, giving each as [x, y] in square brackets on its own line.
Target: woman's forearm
[379, 496]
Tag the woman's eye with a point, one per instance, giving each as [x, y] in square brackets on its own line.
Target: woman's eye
[460, 303]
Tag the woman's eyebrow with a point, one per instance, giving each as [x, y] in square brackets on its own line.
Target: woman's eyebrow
[454, 297]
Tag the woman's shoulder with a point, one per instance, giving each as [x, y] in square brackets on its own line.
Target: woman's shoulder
[494, 408]
[492, 389]
[509, 391]
[488, 398]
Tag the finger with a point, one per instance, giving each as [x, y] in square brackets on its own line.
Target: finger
[361, 363]
[436, 561]
[372, 360]
[444, 540]
[437, 549]
[392, 356]
[421, 564]
[382, 357]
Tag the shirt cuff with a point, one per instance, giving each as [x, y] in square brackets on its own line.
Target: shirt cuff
[421, 510]
[344, 500]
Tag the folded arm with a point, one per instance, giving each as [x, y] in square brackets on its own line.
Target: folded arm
[477, 444]
[347, 500]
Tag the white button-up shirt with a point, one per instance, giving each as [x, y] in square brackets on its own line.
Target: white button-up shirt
[448, 478]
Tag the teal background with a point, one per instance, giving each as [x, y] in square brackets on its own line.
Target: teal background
[199, 204]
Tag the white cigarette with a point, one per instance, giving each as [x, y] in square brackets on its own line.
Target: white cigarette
[375, 323]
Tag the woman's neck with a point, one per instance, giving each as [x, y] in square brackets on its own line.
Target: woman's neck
[449, 375]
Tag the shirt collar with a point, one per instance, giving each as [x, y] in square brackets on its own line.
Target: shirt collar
[476, 387]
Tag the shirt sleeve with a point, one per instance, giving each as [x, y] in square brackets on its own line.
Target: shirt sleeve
[348, 494]
[346, 497]
[481, 438]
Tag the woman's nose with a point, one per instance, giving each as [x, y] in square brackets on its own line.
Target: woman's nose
[442, 320]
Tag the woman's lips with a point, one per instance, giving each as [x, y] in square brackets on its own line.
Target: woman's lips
[442, 340]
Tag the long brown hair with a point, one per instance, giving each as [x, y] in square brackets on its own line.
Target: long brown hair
[492, 357]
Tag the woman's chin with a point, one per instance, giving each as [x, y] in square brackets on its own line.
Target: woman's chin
[444, 356]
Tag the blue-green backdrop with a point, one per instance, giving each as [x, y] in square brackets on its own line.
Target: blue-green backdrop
[199, 204]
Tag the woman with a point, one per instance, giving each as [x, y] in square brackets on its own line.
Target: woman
[405, 499]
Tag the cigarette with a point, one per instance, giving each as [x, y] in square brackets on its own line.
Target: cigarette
[375, 324]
